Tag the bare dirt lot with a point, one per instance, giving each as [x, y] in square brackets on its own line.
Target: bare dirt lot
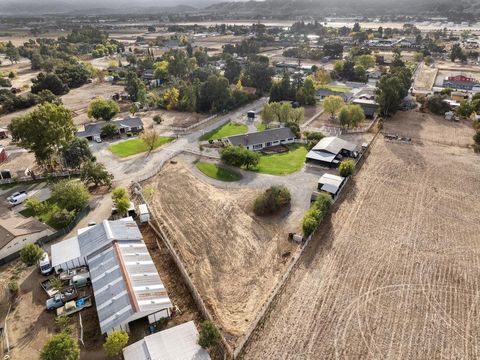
[76, 100]
[234, 258]
[174, 118]
[393, 273]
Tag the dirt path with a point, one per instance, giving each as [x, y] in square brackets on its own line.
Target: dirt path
[393, 274]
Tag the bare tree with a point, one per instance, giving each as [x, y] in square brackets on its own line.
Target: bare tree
[150, 138]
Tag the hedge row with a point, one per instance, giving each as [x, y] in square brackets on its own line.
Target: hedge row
[314, 216]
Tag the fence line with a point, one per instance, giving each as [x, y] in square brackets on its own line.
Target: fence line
[280, 285]
[39, 177]
[185, 129]
[176, 258]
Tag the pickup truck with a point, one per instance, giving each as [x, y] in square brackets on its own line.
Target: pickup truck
[61, 298]
[49, 289]
[73, 307]
[69, 274]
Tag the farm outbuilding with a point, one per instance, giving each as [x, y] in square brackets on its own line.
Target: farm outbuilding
[331, 184]
[177, 343]
[330, 150]
[125, 281]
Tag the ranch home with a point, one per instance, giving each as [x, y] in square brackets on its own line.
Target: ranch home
[16, 231]
[126, 125]
[125, 281]
[263, 139]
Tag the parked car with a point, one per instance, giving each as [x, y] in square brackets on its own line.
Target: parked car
[61, 298]
[18, 199]
[15, 194]
[44, 265]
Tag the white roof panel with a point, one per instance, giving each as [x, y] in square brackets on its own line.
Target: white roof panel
[64, 251]
[176, 343]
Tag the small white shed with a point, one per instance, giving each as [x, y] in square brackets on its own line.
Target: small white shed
[144, 214]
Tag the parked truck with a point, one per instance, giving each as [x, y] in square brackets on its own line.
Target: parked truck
[51, 291]
[61, 298]
[69, 274]
[74, 306]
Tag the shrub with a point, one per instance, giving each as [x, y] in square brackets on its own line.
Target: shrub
[60, 346]
[274, 199]
[63, 323]
[347, 167]
[34, 205]
[70, 194]
[239, 156]
[115, 342]
[158, 119]
[13, 287]
[30, 254]
[314, 216]
[63, 217]
[4, 82]
[380, 123]
[436, 104]
[209, 335]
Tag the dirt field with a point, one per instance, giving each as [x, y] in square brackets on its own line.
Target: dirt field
[173, 118]
[76, 100]
[425, 78]
[234, 258]
[393, 273]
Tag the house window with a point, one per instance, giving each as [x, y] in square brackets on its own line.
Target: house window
[269, 144]
[257, 147]
[276, 142]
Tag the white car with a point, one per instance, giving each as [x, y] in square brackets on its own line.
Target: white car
[15, 194]
[18, 199]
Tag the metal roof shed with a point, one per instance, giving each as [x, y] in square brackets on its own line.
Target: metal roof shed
[330, 183]
[176, 343]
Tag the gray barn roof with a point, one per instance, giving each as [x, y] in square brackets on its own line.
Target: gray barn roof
[262, 137]
[334, 145]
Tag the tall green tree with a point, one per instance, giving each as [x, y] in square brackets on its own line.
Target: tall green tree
[44, 131]
[76, 152]
[100, 108]
[70, 194]
[135, 87]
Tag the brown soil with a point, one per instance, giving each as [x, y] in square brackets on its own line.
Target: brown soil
[393, 273]
[234, 258]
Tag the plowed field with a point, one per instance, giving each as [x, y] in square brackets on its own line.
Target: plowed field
[394, 273]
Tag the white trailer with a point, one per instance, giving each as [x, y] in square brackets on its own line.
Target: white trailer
[144, 214]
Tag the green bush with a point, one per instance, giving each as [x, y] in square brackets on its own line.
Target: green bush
[13, 287]
[272, 200]
[314, 216]
[60, 346]
[63, 217]
[115, 342]
[347, 167]
[158, 119]
[239, 156]
[209, 335]
[30, 254]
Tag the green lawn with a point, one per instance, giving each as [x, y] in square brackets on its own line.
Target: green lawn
[261, 126]
[217, 172]
[229, 129]
[336, 88]
[283, 164]
[47, 216]
[135, 146]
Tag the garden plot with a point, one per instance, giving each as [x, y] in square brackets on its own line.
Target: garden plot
[234, 258]
[393, 273]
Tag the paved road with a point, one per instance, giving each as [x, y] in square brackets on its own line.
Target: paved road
[138, 167]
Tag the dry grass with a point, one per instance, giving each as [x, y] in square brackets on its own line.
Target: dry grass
[234, 258]
[393, 274]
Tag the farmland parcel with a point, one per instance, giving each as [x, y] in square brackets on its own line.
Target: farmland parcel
[394, 273]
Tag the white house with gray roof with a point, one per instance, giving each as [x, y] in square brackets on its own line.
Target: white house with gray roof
[263, 139]
[125, 281]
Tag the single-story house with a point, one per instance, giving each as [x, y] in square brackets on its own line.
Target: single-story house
[369, 107]
[177, 343]
[330, 150]
[125, 281]
[263, 139]
[16, 231]
[126, 125]
[331, 184]
[323, 93]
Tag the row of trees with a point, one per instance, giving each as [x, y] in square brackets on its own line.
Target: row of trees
[299, 90]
